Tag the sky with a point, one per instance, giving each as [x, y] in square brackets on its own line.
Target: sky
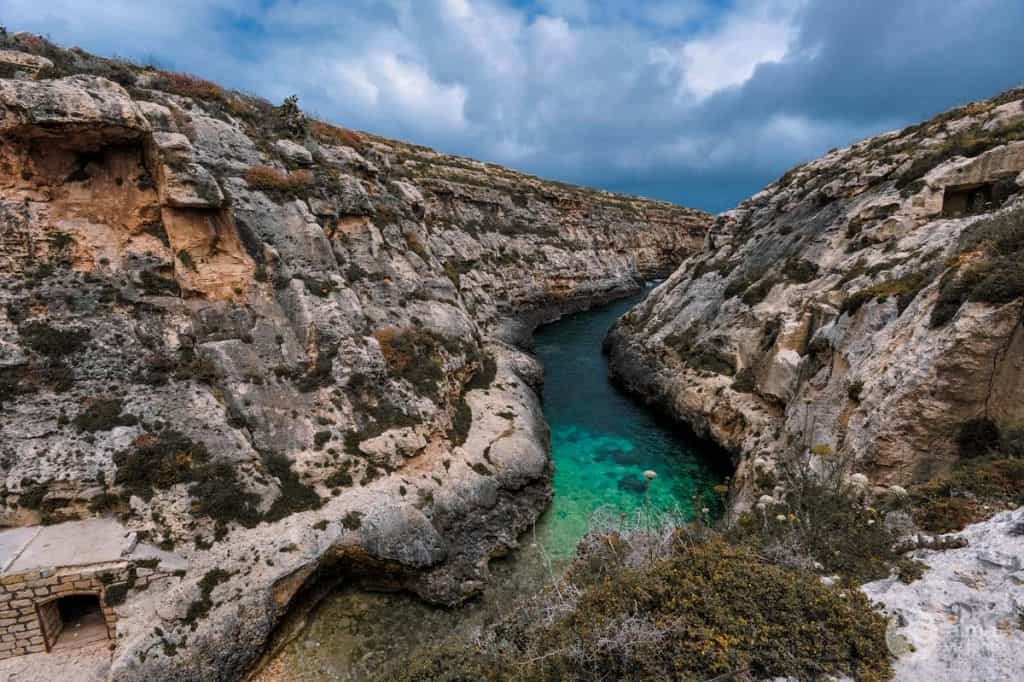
[700, 102]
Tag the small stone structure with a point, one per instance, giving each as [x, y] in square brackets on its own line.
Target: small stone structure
[42, 567]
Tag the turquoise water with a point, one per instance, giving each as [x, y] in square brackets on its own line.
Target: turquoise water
[602, 441]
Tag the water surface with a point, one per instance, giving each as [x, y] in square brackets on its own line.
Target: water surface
[602, 443]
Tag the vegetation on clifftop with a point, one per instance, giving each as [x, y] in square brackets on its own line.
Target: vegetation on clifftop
[685, 605]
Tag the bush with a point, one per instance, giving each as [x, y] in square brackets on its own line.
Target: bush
[950, 502]
[277, 183]
[800, 270]
[158, 461]
[705, 610]
[821, 524]
[219, 495]
[341, 477]
[103, 415]
[905, 289]
[995, 270]
[415, 355]
[352, 520]
[199, 608]
[295, 495]
[854, 389]
[53, 342]
[462, 420]
[970, 143]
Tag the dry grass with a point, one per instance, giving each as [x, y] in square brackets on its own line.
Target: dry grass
[269, 179]
[187, 85]
[330, 134]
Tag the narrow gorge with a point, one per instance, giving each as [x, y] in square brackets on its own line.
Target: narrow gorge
[272, 348]
[281, 400]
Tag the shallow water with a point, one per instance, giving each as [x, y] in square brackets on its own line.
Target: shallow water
[602, 443]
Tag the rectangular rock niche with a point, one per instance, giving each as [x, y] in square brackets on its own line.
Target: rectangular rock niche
[966, 200]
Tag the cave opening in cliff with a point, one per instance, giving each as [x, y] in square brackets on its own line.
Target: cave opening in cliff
[967, 200]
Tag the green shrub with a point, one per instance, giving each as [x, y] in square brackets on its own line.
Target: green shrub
[340, 477]
[352, 520]
[158, 461]
[462, 420]
[320, 439]
[909, 570]
[103, 415]
[969, 493]
[199, 608]
[708, 609]
[53, 342]
[969, 143]
[295, 495]
[994, 272]
[854, 389]
[826, 525]
[218, 494]
[905, 289]
[416, 355]
[800, 270]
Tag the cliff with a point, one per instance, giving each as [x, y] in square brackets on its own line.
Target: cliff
[272, 346]
[862, 312]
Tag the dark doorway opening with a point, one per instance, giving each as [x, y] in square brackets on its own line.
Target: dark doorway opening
[81, 621]
[967, 200]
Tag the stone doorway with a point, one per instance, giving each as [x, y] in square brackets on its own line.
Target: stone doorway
[73, 621]
[967, 200]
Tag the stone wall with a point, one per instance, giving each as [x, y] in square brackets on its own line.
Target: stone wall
[29, 618]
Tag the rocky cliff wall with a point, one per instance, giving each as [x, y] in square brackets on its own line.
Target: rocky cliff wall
[863, 311]
[269, 344]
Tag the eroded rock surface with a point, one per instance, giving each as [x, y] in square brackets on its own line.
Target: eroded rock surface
[861, 309]
[273, 345]
[963, 619]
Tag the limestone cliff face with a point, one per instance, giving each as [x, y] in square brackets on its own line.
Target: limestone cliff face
[270, 344]
[861, 309]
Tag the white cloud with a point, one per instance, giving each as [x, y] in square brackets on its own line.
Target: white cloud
[729, 55]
